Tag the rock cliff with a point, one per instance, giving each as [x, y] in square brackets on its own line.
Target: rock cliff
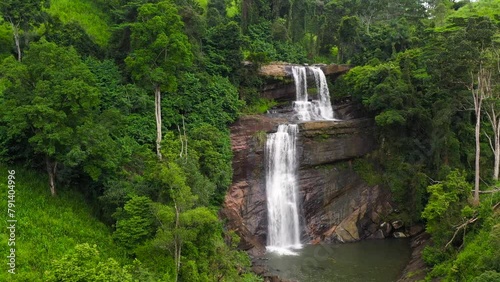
[245, 206]
[336, 204]
[278, 70]
[279, 84]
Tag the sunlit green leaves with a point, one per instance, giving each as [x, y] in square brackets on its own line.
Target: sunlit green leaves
[135, 222]
[445, 203]
[54, 98]
[85, 263]
[159, 45]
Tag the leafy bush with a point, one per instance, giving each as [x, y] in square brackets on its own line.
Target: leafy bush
[135, 222]
[84, 263]
[488, 276]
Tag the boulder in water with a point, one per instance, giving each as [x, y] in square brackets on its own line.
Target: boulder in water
[397, 224]
[386, 228]
[399, 235]
[377, 235]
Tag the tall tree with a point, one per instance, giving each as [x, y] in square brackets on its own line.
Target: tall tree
[223, 48]
[50, 100]
[348, 37]
[492, 88]
[478, 87]
[462, 46]
[160, 50]
[22, 15]
[479, 32]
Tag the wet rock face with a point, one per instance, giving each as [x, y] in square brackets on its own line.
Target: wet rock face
[416, 270]
[245, 209]
[339, 207]
[324, 142]
[336, 204]
[279, 90]
[348, 110]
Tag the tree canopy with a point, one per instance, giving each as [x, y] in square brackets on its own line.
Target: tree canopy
[90, 91]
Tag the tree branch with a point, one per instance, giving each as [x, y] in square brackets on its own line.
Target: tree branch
[489, 141]
[489, 191]
[460, 227]
[470, 221]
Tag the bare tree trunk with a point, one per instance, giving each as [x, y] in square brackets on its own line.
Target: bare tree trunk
[177, 243]
[290, 19]
[496, 167]
[367, 20]
[158, 121]
[246, 7]
[185, 138]
[494, 118]
[494, 114]
[184, 141]
[478, 151]
[15, 29]
[480, 92]
[178, 260]
[478, 96]
[51, 171]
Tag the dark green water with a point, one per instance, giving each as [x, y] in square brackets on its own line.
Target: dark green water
[372, 260]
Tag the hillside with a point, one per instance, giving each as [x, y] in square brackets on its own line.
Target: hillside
[92, 19]
[48, 228]
[117, 117]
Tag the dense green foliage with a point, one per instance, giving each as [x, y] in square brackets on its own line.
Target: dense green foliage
[420, 92]
[48, 228]
[78, 84]
[84, 14]
[76, 101]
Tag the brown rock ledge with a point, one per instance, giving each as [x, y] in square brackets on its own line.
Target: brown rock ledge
[281, 69]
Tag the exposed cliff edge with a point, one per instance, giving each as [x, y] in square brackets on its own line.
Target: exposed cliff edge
[337, 205]
[245, 207]
[279, 79]
[284, 69]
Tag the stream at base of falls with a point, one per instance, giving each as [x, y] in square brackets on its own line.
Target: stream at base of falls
[365, 261]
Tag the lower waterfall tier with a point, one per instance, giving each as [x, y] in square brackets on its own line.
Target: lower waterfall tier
[337, 205]
[281, 190]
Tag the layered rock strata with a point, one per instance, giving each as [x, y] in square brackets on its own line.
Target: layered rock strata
[285, 70]
[336, 204]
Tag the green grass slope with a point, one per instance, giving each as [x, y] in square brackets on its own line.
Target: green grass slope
[94, 21]
[47, 227]
[483, 8]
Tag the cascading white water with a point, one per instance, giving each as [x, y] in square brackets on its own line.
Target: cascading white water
[281, 183]
[281, 189]
[324, 104]
[301, 106]
[317, 109]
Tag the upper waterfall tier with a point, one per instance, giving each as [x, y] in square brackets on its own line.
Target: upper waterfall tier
[284, 69]
[281, 190]
[307, 108]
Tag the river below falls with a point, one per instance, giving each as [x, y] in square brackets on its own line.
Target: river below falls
[371, 260]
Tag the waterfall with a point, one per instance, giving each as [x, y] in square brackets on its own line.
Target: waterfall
[324, 107]
[302, 106]
[316, 109]
[281, 183]
[281, 189]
